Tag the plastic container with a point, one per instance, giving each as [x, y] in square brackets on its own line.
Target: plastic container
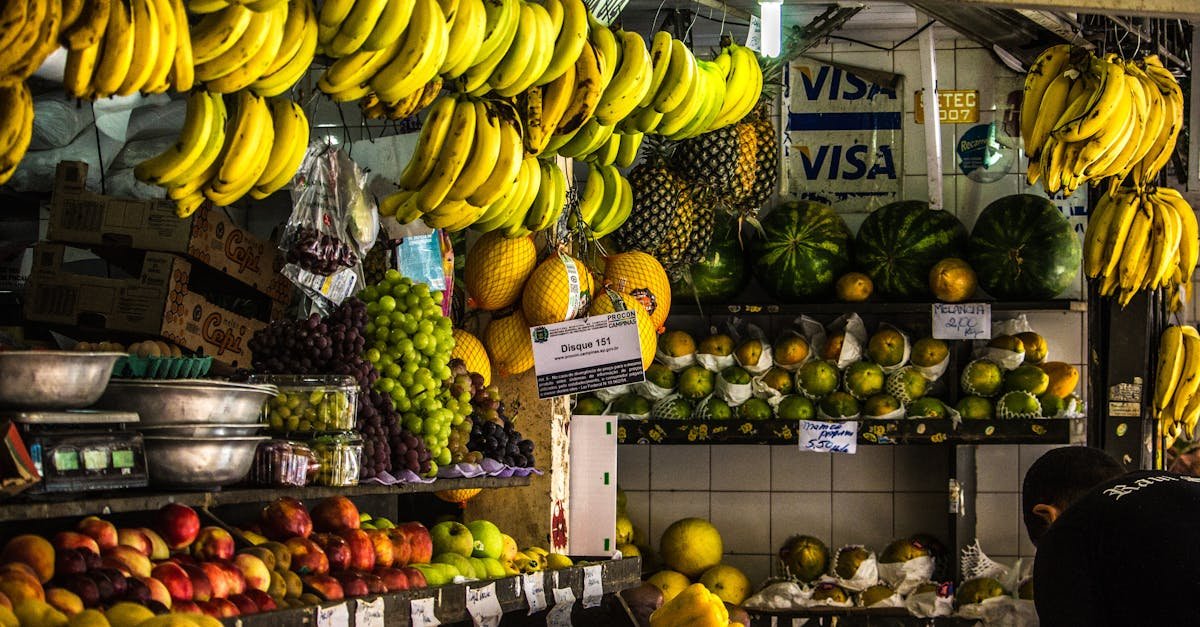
[309, 405]
[283, 463]
[339, 459]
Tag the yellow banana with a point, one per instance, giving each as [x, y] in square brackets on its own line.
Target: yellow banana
[159, 79]
[418, 60]
[86, 31]
[1050, 108]
[204, 109]
[680, 79]
[17, 128]
[117, 52]
[1044, 70]
[520, 54]
[288, 149]
[218, 32]
[504, 173]
[257, 34]
[1170, 366]
[1104, 102]
[572, 36]
[630, 82]
[390, 26]
[247, 147]
[627, 152]
[470, 25]
[589, 85]
[484, 154]
[429, 143]
[450, 158]
[356, 27]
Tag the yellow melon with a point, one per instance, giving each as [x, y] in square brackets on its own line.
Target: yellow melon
[559, 289]
[642, 277]
[1063, 378]
[952, 280]
[497, 268]
[468, 348]
[508, 344]
[605, 303]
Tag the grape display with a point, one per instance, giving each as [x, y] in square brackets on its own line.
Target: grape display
[320, 253]
[491, 433]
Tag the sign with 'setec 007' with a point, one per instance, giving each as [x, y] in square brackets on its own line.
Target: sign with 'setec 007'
[588, 354]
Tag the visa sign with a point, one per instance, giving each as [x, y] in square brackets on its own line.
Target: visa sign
[848, 163]
[828, 83]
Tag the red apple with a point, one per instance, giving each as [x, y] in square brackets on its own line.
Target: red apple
[401, 548]
[419, 542]
[202, 588]
[216, 578]
[186, 607]
[286, 518]
[237, 583]
[158, 591]
[176, 580]
[225, 608]
[177, 524]
[133, 560]
[393, 579]
[375, 584]
[416, 578]
[324, 586]
[213, 543]
[307, 557]
[334, 514]
[245, 604]
[263, 600]
[136, 539]
[254, 571]
[102, 531]
[385, 553]
[336, 549]
[362, 549]
[353, 584]
[74, 540]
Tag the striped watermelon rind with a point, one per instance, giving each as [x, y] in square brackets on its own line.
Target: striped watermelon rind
[1022, 248]
[899, 243]
[803, 248]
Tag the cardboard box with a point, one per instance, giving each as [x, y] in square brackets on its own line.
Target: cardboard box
[79, 216]
[162, 299]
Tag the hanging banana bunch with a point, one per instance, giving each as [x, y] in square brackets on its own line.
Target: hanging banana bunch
[1177, 381]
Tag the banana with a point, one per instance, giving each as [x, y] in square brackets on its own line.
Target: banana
[1104, 155]
[357, 26]
[628, 150]
[71, 10]
[301, 17]
[645, 120]
[1185, 389]
[689, 110]
[252, 70]
[1050, 108]
[630, 82]
[476, 79]
[1188, 241]
[513, 224]
[278, 81]
[117, 52]
[354, 71]
[504, 173]
[262, 27]
[591, 195]
[543, 55]
[1099, 229]
[680, 80]
[1124, 212]
[586, 140]
[1172, 97]
[470, 25]
[548, 203]
[622, 204]
[1133, 262]
[78, 71]
[159, 79]
[199, 173]
[1170, 366]
[85, 32]
[572, 36]
[451, 158]
[418, 60]
[589, 85]
[17, 128]
[606, 154]
[331, 16]
[500, 211]
[501, 27]
[743, 87]
[145, 46]
[204, 7]
[263, 6]
[1102, 104]
[1044, 70]
[13, 17]
[483, 157]
[218, 32]
[247, 147]
[1165, 239]
[660, 60]
[390, 26]
[204, 109]
[429, 144]
[607, 49]
[287, 151]
[28, 38]
[520, 54]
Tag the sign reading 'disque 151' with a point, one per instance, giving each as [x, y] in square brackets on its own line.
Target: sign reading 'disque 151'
[588, 354]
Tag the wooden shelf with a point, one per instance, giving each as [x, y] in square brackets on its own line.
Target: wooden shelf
[688, 307]
[871, 432]
[450, 600]
[138, 500]
[892, 616]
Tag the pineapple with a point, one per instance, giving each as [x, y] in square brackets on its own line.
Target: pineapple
[656, 191]
[766, 162]
[671, 251]
[702, 233]
[722, 160]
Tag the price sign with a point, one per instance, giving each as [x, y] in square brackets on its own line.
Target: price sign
[369, 614]
[535, 591]
[829, 437]
[962, 321]
[593, 585]
[587, 354]
[333, 616]
[560, 615]
[483, 606]
[421, 614]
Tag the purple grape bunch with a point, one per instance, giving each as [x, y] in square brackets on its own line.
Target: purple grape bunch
[320, 253]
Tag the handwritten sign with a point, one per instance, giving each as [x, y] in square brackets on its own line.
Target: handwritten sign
[421, 613]
[369, 613]
[829, 437]
[333, 616]
[483, 606]
[588, 354]
[560, 614]
[962, 321]
[593, 585]
[535, 591]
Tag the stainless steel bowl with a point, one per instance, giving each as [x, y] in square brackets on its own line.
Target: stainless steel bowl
[54, 379]
[188, 401]
[180, 462]
[201, 430]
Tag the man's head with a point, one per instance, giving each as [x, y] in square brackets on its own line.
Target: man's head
[1057, 479]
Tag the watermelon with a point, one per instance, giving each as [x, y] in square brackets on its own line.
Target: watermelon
[900, 242]
[1023, 248]
[802, 250]
[720, 274]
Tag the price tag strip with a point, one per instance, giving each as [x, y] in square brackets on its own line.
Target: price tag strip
[593, 585]
[962, 321]
[421, 613]
[829, 437]
[535, 591]
[333, 616]
[560, 614]
[484, 606]
[369, 613]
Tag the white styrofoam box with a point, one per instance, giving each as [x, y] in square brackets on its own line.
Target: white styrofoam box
[997, 521]
[744, 519]
[637, 507]
[793, 469]
[974, 196]
[862, 518]
[679, 468]
[868, 470]
[756, 567]
[668, 507]
[593, 486]
[633, 467]
[1063, 333]
[740, 468]
[921, 469]
[920, 512]
[997, 468]
[793, 513]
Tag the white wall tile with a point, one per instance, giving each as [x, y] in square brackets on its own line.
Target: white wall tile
[1026, 545]
[740, 468]
[921, 468]
[792, 469]
[1062, 332]
[997, 515]
[679, 467]
[869, 470]
[756, 567]
[668, 507]
[996, 469]
[744, 519]
[908, 63]
[973, 197]
[920, 512]
[637, 507]
[808, 513]
[633, 467]
[861, 518]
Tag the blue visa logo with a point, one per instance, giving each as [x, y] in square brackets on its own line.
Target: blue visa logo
[847, 163]
[831, 83]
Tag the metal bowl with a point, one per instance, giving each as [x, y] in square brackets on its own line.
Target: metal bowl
[201, 430]
[188, 401]
[180, 462]
[54, 379]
